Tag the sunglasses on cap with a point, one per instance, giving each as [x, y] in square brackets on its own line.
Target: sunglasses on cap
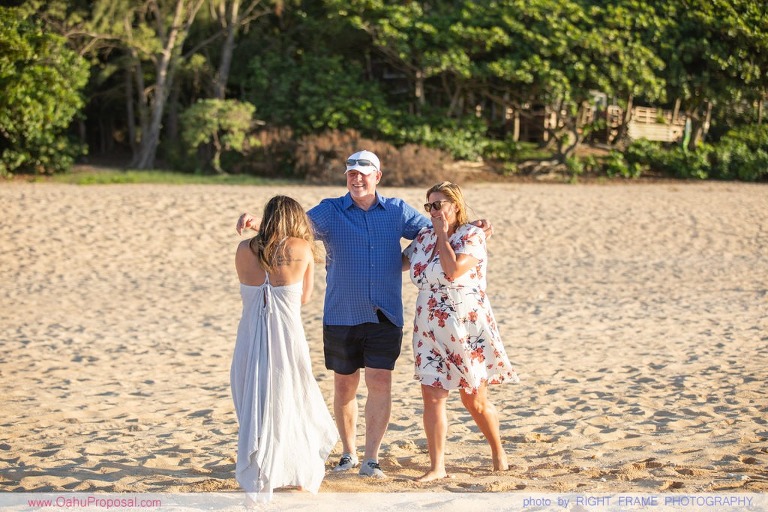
[360, 161]
[435, 205]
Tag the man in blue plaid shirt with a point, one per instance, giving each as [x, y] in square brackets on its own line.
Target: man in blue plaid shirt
[363, 313]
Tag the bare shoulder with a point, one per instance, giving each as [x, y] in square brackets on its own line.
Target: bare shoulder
[244, 247]
[244, 256]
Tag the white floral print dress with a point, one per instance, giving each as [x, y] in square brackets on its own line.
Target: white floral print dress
[456, 343]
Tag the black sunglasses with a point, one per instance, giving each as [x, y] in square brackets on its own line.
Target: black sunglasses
[360, 161]
[435, 205]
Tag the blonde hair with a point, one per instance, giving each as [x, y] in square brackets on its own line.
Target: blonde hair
[283, 218]
[454, 195]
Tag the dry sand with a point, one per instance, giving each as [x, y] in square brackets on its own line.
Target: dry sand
[636, 316]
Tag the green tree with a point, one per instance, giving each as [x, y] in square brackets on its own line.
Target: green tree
[315, 93]
[159, 40]
[152, 57]
[418, 40]
[623, 50]
[310, 72]
[224, 124]
[232, 16]
[556, 53]
[717, 55]
[41, 82]
[438, 72]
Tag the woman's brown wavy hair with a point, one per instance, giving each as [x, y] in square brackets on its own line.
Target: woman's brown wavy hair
[283, 218]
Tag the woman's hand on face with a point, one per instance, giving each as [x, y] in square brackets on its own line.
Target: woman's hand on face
[440, 224]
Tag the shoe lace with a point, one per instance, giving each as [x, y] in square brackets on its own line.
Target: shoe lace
[373, 465]
[345, 459]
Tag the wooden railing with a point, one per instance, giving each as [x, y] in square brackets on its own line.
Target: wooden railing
[647, 123]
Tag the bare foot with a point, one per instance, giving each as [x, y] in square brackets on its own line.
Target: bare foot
[432, 475]
[501, 463]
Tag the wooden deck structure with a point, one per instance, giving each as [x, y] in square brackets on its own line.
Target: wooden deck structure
[649, 123]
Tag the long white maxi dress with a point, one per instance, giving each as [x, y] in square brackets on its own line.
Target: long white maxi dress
[286, 432]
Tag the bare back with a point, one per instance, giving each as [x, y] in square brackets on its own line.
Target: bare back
[296, 264]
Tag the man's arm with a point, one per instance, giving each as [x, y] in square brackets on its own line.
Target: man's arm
[248, 221]
[414, 221]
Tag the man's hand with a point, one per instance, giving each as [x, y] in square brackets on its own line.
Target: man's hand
[246, 221]
[485, 225]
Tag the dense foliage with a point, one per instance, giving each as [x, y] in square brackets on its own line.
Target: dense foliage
[475, 79]
[222, 125]
[40, 80]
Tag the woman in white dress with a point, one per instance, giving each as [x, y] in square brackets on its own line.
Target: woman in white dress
[286, 432]
[456, 343]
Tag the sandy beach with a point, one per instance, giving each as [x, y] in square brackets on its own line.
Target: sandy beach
[635, 314]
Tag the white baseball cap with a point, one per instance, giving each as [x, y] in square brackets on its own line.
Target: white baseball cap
[364, 162]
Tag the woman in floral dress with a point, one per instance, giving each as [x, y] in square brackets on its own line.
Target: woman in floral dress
[456, 342]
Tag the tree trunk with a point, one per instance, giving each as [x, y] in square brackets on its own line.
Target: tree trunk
[143, 102]
[236, 14]
[452, 94]
[134, 72]
[567, 143]
[707, 121]
[696, 129]
[418, 90]
[165, 67]
[515, 124]
[628, 112]
[129, 111]
[454, 109]
[624, 128]
[145, 159]
[576, 132]
[217, 149]
[676, 112]
[700, 127]
[232, 20]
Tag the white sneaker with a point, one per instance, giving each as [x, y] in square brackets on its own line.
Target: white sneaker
[371, 468]
[347, 461]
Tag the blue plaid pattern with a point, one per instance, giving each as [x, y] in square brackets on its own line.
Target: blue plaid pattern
[363, 257]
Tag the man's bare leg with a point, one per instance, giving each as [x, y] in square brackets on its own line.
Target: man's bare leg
[377, 409]
[345, 409]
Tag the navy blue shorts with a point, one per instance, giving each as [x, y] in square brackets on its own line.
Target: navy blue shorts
[348, 348]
